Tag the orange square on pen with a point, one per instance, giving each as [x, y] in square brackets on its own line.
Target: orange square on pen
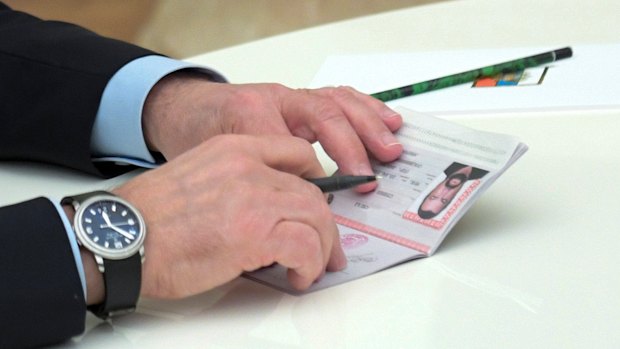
[485, 82]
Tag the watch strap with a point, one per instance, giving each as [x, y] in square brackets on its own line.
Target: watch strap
[122, 286]
[82, 197]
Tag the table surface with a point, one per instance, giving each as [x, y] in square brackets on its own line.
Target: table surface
[532, 264]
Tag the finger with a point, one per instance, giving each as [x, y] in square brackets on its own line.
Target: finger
[328, 123]
[284, 153]
[337, 259]
[392, 119]
[299, 201]
[368, 118]
[299, 250]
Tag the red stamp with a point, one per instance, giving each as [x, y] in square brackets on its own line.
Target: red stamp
[350, 241]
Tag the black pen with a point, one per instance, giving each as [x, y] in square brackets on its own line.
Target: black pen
[333, 183]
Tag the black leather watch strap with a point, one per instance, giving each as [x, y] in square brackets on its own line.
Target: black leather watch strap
[82, 197]
[122, 286]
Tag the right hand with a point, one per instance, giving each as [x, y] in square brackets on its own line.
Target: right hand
[184, 109]
[233, 204]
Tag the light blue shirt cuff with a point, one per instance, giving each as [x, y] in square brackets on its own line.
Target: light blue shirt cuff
[72, 241]
[117, 132]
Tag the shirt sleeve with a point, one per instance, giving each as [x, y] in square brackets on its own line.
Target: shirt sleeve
[117, 133]
[72, 242]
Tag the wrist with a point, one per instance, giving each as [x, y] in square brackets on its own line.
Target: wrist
[95, 290]
[169, 100]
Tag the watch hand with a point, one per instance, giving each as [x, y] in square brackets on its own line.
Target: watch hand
[115, 224]
[118, 230]
[122, 232]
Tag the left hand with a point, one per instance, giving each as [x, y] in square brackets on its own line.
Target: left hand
[184, 109]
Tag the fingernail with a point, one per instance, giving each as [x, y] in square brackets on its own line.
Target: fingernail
[342, 263]
[388, 139]
[388, 113]
[364, 169]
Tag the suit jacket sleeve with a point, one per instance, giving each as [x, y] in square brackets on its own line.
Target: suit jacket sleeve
[41, 297]
[53, 76]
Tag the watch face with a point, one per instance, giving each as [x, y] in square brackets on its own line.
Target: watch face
[110, 227]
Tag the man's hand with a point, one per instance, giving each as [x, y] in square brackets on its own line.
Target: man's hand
[184, 109]
[232, 204]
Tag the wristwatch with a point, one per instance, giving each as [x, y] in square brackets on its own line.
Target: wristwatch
[114, 231]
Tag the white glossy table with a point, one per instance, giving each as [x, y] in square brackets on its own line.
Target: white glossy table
[533, 264]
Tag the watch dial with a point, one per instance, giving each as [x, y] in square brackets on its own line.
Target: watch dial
[110, 225]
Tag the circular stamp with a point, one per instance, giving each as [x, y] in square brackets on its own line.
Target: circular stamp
[350, 241]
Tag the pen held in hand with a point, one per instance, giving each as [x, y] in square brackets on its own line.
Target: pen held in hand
[333, 183]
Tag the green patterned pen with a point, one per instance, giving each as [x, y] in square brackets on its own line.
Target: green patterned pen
[471, 75]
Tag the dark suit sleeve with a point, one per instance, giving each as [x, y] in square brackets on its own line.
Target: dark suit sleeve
[41, 297]
[52, 77]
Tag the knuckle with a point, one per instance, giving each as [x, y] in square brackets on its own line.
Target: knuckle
[311, 244]
[221, 142]
[314, 202]
[303, 148]
[241, 165]
[245, 96]
[341, 92]
[344, 91]
[256, 259]
[306, 202]
[253, 96]
[307, 244]
[277, 88]
[235, 155]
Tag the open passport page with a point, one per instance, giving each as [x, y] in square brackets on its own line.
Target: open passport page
[444, 168]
